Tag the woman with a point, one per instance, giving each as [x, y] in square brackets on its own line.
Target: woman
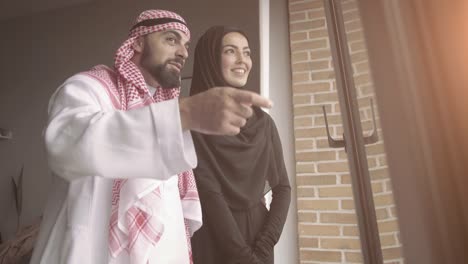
[234, 172]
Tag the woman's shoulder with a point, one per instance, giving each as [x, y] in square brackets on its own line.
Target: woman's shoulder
[262, 113]
[265, 117]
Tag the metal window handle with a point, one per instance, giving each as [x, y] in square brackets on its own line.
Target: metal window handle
[334, 143]
[341, 143]
[374, 136]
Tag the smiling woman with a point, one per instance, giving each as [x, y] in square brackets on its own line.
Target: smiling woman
[233, 173]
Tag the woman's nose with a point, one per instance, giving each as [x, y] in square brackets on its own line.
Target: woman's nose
[240, 57]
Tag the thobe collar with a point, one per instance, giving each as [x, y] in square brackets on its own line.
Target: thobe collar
[151, 89]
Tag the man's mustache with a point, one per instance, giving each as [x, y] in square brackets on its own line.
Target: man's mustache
[179, 61]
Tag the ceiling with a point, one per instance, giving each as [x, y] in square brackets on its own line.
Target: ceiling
[12, 9]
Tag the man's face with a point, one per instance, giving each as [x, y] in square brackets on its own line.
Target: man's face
[163, 56]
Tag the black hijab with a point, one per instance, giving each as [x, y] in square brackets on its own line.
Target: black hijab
[241, 167]
[207, 64]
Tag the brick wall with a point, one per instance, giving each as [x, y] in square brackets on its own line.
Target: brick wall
[327, 221]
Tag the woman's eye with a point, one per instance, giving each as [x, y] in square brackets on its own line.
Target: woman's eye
[229, 51]
[247, 53]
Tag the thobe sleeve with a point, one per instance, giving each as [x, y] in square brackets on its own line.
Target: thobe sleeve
[271, 231]
[85, 136]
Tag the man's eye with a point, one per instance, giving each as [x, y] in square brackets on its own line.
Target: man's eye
[229, 51]
[171, 39]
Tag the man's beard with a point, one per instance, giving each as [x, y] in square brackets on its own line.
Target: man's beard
[166, 78]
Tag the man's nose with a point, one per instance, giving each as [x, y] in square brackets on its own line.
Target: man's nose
[182, 52]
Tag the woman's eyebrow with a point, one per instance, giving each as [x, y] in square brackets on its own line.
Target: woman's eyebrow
[234, 46]
[230, 45]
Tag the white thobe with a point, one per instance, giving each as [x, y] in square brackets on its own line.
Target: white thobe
[89, 144]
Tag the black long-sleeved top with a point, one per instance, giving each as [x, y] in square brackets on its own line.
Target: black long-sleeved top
[237, 227]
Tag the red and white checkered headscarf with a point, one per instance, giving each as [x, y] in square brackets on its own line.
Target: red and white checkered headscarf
[134, 225]
[130, 82]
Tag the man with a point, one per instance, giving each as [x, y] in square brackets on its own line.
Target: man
[119, 146]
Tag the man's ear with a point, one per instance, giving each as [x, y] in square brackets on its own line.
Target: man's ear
[138, 44]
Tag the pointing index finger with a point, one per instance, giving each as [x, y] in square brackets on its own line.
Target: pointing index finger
[251, 98]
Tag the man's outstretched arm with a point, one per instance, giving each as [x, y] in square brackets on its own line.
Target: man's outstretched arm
[219, 110]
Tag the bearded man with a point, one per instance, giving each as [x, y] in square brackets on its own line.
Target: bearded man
[119, 147]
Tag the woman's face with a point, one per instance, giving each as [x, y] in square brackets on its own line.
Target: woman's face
[235, 59]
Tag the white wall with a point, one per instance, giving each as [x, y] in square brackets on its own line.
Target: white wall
[286, 251]
[40, 51]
